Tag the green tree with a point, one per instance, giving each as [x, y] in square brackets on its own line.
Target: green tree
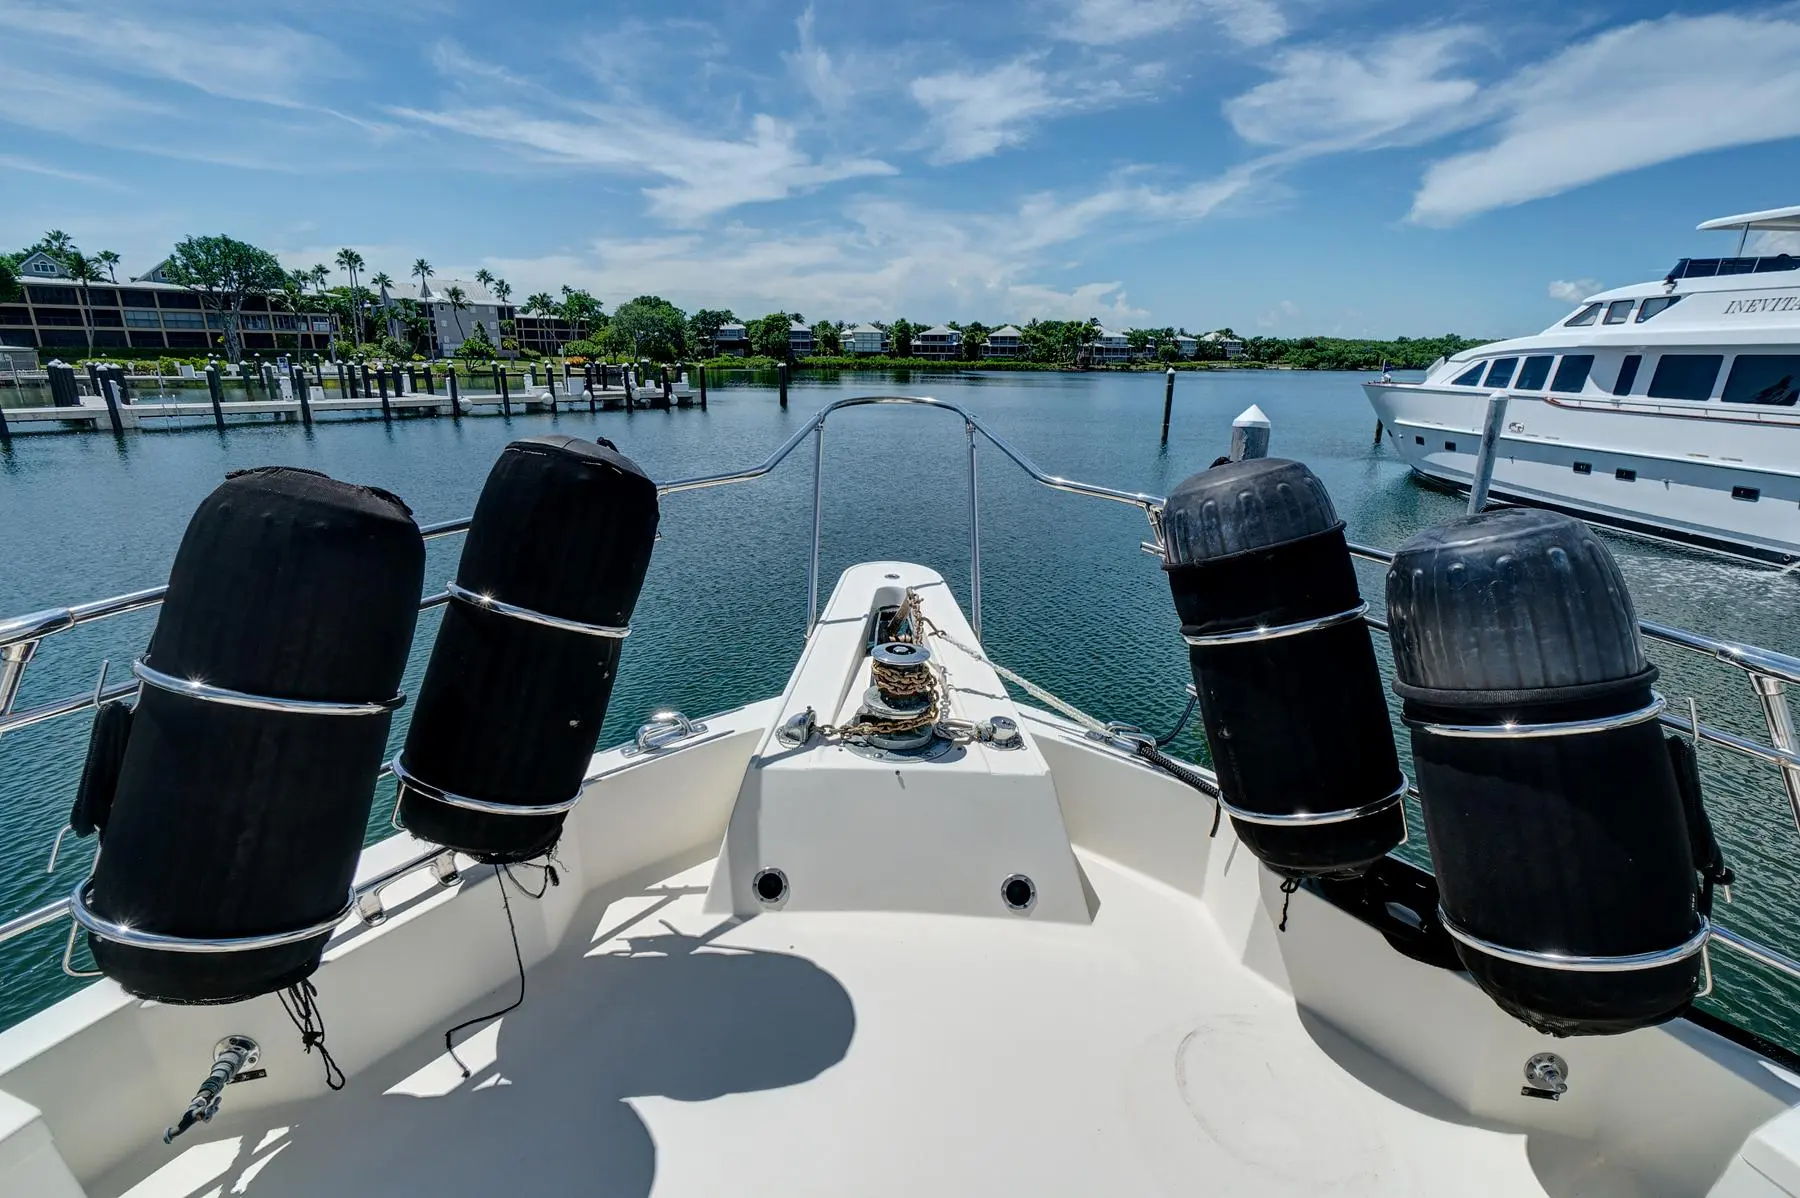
[581, 310]
[900, 335]
[422, 270]
[478, 347]
[292, 294]
[704, 326]
[502, 291]
[110, 261]
[349, 261]
[224, 272]
[651, 326]
[55, 242]
[974, 336]
[9, 281]
[769, 336]
[828, 337]
[384, 281]
[485, 277]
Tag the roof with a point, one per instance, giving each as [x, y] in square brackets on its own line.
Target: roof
[1770, 219]
[474, 292]
[939, 331]
[732, 326]
[865, 328]
[62, 269]
[797, 327]
[1005, 331]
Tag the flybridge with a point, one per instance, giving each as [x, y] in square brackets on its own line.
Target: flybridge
[1706, 268]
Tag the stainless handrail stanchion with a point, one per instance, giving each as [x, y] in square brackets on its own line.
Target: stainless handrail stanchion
[1772, 693]
[812, 577]
[974, 536]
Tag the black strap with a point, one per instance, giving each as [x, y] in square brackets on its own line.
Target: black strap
[1709, 860]
[301, 1002]
[100, 772]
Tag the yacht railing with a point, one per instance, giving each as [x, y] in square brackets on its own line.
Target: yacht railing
[1769, 673]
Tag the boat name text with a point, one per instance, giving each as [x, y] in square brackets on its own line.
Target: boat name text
[1773, 303]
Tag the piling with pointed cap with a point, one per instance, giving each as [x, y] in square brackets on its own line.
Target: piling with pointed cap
[783, 371]
[455, 398]
[505, 391]
[387, 410]
[1250, 435]
[1168, 403]
[297, 379]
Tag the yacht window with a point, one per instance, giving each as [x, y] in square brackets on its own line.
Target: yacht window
[1618, 311]
[1470, 377]
[1500, 372]
[1768, 379]
[1655, 304]
[1627, 374]
[1572, 373]
[1685, 376]
[1586, 316]
[1533, 373]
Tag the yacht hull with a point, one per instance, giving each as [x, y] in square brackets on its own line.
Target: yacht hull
[1720, 482]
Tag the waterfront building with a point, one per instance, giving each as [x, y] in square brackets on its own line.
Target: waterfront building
[939, 342]
[546, 334]
[147, 312]
[800, 340]
[732, 339]
[1110, 346]
[865, 339]
[449, 326]
[1186, 347]
[1003, 343]
[1231, 346]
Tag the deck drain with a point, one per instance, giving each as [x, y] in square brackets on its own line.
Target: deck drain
[771, 886]
[1019, 893]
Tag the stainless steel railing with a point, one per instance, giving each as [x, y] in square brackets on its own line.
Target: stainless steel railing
[1769, 672]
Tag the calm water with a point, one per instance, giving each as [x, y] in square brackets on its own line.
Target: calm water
[1068, 598]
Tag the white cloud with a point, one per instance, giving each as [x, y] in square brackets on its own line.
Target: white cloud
[13, 162]
[1391, 93]
[812, 65]
[1283, 312]
[262, 61]
[1625, 99]
[1111, 22]
[975, 114]
[705, 174]
[1573, 291]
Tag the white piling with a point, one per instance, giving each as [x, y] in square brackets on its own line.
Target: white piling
[1491, 430]
[1250, 435]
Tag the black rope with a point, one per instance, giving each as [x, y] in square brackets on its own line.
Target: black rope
[518, 959]
[550, 879]
[1163, 742]
[1181, 773]
[300, 1001]
[1288, 886]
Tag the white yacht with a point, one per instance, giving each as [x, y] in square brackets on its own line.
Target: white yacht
[1665, 408]
[888, 932]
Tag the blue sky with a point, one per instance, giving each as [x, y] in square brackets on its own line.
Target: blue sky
[1279, 166]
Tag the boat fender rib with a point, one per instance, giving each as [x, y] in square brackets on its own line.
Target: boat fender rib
[1563, 843]
[1290, 694]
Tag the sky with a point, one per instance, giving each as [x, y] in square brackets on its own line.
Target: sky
[1279, 167]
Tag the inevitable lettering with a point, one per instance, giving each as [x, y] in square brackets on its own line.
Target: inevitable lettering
[1773, 303]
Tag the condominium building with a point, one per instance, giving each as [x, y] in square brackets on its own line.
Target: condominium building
[1227, 344]
[453, 323]
[1004, 342]
[1186, 346]
[938, 342]
[546, 334]
[147, 312]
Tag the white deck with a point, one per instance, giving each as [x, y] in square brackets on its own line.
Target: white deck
[666, 1051]
[891, 1030]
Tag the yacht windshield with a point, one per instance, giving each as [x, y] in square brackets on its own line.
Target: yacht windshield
[1586, 316]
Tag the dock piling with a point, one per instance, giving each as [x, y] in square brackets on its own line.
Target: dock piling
[1250, 435]
[1378, 432]
[216, 389]
[387, 409]
[1491, 430]
[430, 388]
[1168, 403]
[701, 371]
[783, 372]
[668, 390]
[110, 390]
[368, 385]
[302, 392]
[455, 399]
[505, 391]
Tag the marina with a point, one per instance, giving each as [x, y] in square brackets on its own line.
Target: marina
[1122, 889]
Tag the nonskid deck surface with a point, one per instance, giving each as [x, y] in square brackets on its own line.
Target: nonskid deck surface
[672, 1053]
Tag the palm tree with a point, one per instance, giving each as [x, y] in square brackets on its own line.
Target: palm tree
[384, 281]
[317, 276]
[110, 260]
[541, 304]
[421, 271]
[459, 303]
[293, 296]
[58, 242]
[349, 261]
[502, 290]
[84, 270]
[485, 277]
